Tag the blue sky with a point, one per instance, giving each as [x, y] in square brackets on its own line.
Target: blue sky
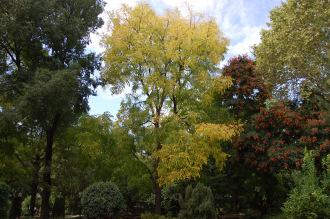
[240, 21]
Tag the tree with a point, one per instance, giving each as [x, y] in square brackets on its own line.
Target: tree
[83, 154]
[17, 150]
[243, 100]
[197, 203]
[276, 137]
[295, 48]
[308, 199]
[43, 44]
[169, 62]
[248, 92]
[271, 141]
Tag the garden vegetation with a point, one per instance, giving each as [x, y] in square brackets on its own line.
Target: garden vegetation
[249, 139]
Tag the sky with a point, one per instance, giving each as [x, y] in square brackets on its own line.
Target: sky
[239, 20]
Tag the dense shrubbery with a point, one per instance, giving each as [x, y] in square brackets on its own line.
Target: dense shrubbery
[198, 203]
[102, 200]
[308, 199]
[4, 200]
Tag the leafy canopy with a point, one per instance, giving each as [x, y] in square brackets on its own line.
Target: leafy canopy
[297, 44]
[170, 64]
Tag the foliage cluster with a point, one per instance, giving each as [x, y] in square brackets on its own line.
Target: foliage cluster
[198, 203]
[309, 198]
[102, 200]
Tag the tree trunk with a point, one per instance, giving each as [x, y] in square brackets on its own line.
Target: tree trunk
[34, 185]
[59, 207]
[16, 206]
[158, 196]
[47, 183]
[157, 187]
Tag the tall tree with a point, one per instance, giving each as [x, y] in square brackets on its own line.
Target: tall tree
[170, 63]
[296, 48]
[48, 75]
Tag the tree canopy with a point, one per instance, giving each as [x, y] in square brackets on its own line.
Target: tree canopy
[170, 63]
[295, 48]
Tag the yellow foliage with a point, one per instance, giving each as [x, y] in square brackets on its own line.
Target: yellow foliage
[217, 85]
[217, 132]
[184, 157]
[142, 44]
[222, 83]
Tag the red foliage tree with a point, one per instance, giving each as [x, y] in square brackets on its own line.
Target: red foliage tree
[276, 138]
[248, 92]
[317, 133]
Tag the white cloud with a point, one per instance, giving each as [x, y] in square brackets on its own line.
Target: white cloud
[250, 36]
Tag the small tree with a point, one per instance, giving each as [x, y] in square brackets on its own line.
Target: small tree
[307, 199]
[102, 200]
[198, 203]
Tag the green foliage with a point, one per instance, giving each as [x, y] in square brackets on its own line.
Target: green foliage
[326, 175]
[58, 90]
[308, 198]
[4, 200]
[178, 121]
[296, 45]
[102, 200]
[171, 196]
[198, 203]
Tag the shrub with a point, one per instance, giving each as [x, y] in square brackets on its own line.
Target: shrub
[102, 200]
[4, 200]
[198, 203]
[307, 199]
[170, 200]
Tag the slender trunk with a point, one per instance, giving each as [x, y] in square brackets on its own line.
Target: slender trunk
[158, 195]
[175, 106]
[47, 182]
[34, 184]
[157, 187]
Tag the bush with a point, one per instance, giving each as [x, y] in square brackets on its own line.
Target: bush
[170, 200]
[198, 203]
[4, 200]
[307, 199]
[102, 200]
